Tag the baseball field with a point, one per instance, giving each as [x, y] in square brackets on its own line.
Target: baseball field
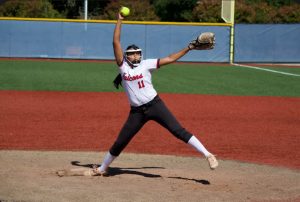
[66, 114]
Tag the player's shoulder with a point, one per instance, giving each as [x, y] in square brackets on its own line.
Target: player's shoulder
[149, 61]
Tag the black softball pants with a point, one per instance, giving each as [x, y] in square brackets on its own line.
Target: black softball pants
[155, 110]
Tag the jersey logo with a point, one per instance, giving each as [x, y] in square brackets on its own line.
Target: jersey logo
[128, 77]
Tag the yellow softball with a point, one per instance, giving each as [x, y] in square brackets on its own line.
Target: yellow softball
[124, 11]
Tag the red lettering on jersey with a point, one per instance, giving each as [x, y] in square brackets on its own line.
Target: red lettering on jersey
[128, 77]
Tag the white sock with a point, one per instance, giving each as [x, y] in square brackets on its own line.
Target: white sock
[108, 159]
[198, 146]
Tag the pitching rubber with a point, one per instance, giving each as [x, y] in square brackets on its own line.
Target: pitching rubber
[75, 172]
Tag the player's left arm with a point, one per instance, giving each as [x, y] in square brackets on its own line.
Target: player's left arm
[173, 57]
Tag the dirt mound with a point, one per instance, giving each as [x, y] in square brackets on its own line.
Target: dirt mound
[30, 176]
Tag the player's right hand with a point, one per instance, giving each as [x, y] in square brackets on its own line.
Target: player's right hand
[120, 17]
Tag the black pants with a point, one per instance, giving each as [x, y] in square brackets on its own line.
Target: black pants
[154, 110]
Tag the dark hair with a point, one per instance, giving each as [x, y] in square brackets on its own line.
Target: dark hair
[134, 47]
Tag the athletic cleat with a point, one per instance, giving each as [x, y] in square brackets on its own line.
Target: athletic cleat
[212, 161]
[96, 172]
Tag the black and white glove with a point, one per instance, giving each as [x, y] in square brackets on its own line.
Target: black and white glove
[204, 41]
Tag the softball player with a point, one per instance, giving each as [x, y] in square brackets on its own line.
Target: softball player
[145, 103]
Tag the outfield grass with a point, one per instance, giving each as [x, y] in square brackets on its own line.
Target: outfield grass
[175, 78]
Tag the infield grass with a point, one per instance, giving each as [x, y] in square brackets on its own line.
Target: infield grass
[51, 75]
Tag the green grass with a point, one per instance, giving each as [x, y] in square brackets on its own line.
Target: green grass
[227, 80]
[56, 76]
[175, 78]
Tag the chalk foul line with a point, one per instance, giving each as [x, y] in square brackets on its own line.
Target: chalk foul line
[264, 69]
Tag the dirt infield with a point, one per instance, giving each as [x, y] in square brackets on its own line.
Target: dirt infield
[30, 176]
[253, 129]
[261, 130]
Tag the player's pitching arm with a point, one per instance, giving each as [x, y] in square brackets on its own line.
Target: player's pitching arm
[117, 41]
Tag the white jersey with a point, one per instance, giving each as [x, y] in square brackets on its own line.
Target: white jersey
[137, 81]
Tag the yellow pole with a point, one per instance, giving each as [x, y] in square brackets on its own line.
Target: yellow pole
[231, 44]
[232, 33]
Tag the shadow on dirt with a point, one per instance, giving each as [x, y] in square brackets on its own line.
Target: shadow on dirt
[204, 182]
[113, 171]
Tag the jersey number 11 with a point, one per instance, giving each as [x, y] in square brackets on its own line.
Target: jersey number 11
[141, 84]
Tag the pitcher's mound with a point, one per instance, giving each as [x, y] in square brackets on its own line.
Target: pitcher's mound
[32, 176]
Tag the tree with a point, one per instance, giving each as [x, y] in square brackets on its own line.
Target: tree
[277, 11]
[275, 3]
[32, 9]
[175, 10]
[246, 11]
[250, 11]
[68, 8]
[139, 10]
[74, 8]
[207, 11]
[288, 14]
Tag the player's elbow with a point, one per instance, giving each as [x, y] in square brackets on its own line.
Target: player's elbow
[170, 60]
[165, 61]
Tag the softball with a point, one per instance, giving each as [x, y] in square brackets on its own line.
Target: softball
[124, 11]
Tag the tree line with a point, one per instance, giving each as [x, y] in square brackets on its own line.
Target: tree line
[246, 11]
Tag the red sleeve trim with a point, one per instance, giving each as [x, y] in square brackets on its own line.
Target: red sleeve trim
[157, 64]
